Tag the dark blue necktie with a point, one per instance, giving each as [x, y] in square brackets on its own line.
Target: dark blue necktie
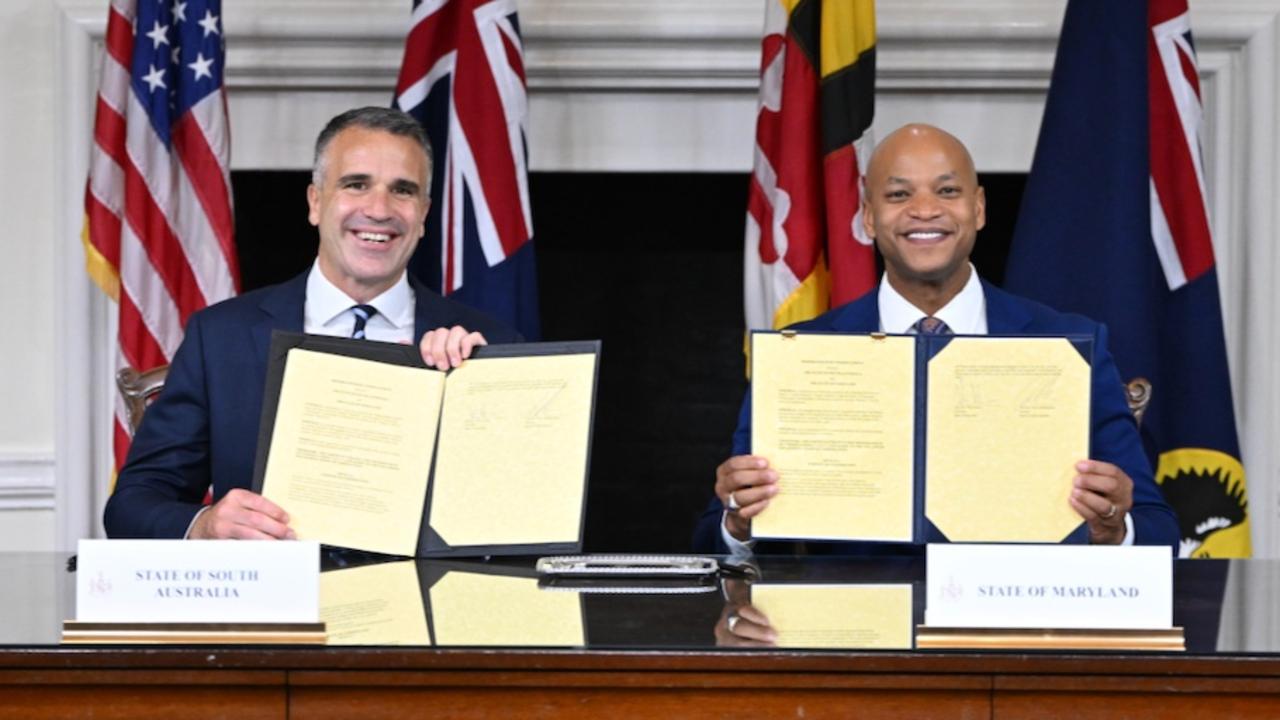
[930, 325]
[362, 313]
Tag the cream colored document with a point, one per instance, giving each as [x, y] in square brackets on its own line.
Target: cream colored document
[475, 609]
[514, 438]
[351, 450]
[1008, 419]
[835, 416]
[374, 605]
[854, 617]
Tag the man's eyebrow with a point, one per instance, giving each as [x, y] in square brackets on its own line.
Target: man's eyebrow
[406, 185]
[895, 180]
[354, 177]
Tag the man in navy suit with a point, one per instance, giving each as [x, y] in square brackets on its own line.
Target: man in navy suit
[923, 206]
[368, 198]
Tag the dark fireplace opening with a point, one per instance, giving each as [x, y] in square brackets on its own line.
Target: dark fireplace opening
[651, 264]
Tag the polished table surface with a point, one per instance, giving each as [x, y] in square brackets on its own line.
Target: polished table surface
[642, 654]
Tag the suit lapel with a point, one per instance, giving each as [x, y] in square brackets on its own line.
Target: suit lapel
[862, 315]
[282, 309]
[1006, 314]
[431, 311]
[421, 309]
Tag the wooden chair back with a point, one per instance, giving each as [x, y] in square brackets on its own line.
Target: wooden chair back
[1138, 393]
[139, 389]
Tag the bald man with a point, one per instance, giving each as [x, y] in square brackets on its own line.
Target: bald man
[923, 206]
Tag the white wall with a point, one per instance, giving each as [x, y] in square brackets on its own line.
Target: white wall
[27, 277]
[615, 84]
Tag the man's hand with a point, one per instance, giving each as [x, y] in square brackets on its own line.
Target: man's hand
[446, 348]
[242, 515]
[740, 623]
[747, 482]
[1103, 494]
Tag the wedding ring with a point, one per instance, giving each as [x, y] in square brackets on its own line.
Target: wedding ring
[733, 503]
[732, 622]
[1110, 513]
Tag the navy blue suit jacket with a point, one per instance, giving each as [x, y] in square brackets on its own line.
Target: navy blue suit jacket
[1113, 434]
[202, 430]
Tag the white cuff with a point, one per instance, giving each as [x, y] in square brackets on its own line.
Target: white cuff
[187, 535]
[1128, 530]
[736, 546]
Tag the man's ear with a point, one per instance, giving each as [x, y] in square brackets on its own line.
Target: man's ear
[313, 204]
[980, 201]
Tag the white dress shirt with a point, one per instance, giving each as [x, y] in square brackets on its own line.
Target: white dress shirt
[965, 314]
[327, 310]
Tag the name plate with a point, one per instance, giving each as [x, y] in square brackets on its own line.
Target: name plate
[1049, 586]
[197, 581]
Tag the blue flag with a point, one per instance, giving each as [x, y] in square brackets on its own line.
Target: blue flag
[463, 78]
[1114, 225]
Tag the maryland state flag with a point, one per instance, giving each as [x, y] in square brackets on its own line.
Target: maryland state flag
[1114, 225]
[805, 249]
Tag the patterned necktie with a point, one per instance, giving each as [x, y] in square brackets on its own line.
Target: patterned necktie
[362, 313]
[930, 325]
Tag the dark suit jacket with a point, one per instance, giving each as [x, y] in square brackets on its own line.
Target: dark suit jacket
[1113, 436]
[202, 430]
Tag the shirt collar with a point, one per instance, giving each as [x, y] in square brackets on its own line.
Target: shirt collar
[325, 303]
[965, 314]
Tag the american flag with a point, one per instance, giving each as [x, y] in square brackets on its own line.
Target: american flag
[463, 78]
[158, 228]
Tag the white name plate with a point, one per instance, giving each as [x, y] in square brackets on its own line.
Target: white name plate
[1049, 586]
[204, 581]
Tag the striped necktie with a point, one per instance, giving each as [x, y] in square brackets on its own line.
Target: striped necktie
[362, 313]
[930, 325]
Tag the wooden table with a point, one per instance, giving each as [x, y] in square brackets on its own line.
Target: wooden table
[390, 683]
[644, 657]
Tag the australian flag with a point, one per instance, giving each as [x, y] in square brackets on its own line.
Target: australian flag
[463, 79]
[1114, 225]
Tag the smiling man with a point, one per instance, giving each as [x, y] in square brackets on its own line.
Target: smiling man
[368, 198]
[923, 206]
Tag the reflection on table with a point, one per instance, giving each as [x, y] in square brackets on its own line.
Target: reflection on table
[798, 602]
[591, 652]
